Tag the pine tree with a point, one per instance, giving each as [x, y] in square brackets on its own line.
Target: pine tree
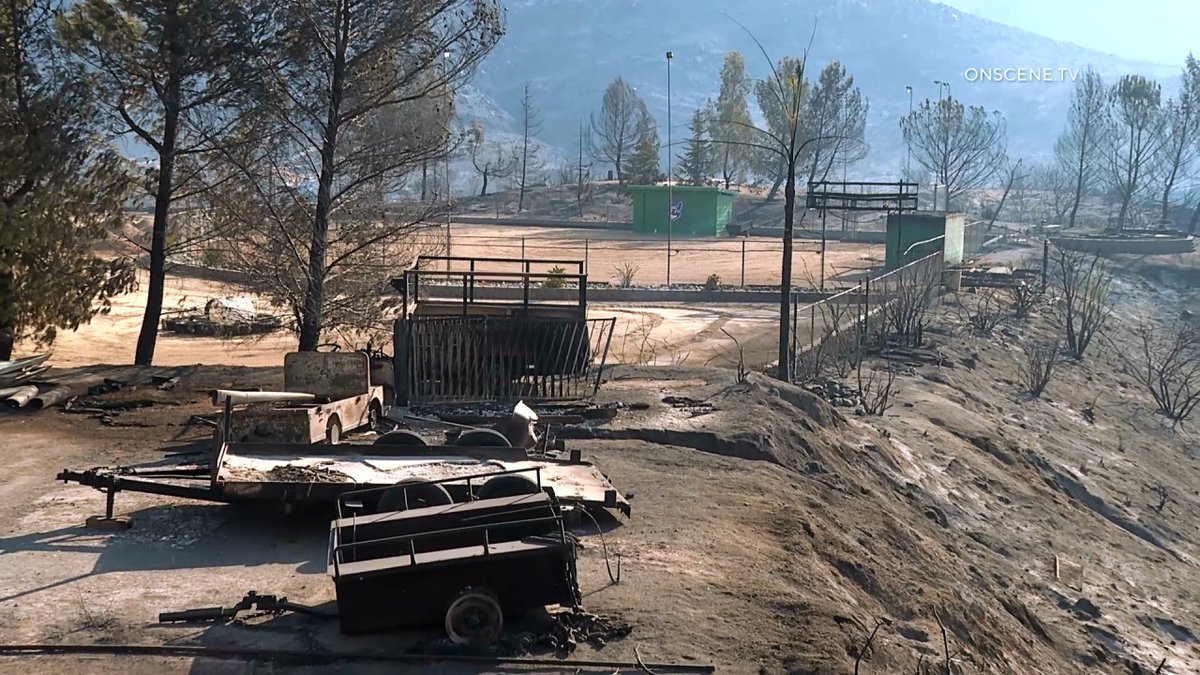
[644, 166]
[60, 189]
[696, 166]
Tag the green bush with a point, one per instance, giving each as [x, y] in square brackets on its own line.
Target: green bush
[556, 281]
[713, 283]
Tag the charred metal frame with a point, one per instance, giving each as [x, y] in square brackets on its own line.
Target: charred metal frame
[461, 351]
[858, 196]
[862, 196]
[403, 569]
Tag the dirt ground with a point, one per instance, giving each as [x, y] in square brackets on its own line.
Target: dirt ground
[692, 260]
[769, 531]
[112, 338]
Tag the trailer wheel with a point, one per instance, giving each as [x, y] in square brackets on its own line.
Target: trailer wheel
[374, 415]
[511, 485]
[474, 618]
[400, 437]
[419, 496]
[333, 431]
[482, 438]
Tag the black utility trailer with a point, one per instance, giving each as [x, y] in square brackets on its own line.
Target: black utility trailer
[465, 565]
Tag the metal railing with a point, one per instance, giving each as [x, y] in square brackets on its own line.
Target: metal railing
[500, 359]
[885, 310]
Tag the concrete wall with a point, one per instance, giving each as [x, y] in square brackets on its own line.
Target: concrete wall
[1163, 245]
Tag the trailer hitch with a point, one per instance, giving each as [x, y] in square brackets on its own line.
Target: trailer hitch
[253, 602]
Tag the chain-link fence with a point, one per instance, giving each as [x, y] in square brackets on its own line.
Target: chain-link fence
[630, 261]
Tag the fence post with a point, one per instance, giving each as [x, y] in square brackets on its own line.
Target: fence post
[522, 248]
[586, 252]
[743, 263]
[1045, 263]
[866, 305]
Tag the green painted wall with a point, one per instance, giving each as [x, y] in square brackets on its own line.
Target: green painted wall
[908, 236]
[705, 211]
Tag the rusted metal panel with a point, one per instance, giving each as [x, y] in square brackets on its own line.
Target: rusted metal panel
[328, 375]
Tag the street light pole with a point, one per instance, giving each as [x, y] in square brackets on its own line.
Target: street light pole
[908, 159]
[670, 187]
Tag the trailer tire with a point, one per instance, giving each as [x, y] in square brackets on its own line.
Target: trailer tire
[401, 437]
[482, 438]
[511, 485]
[333, 431]
[474, 618]
[419, 496]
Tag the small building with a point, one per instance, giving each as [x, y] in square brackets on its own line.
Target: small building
[912, 235]
[696, 212]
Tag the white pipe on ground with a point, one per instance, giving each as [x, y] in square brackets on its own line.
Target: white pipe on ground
[221, 395]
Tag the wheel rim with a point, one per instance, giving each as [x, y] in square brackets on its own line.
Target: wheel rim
[334, 434]
[474, 619]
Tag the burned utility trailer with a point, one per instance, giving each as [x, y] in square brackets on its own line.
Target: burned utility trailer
[495, 330]
[463, 564]
[295, 473]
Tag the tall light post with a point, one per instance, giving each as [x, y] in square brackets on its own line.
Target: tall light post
[945, 110]
[908, 158]
[942, 85]
[670, 187]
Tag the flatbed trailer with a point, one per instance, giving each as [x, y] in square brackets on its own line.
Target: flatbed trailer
[293, 474]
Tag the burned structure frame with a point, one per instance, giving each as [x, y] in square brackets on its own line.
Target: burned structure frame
[504, 333]
[878, 197]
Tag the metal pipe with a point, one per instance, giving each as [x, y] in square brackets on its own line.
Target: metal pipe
[49, 398]
[222, 395]
[301, 656]
[22, 397]
[5, 393]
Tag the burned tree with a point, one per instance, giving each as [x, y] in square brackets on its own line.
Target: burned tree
[1137, 138]
[175, 77]
[1079, 152]
[1181, 134]
[619, 129]
[359, 97]
[1084, 283]
[1167, 364]
[61, 188]
[783, 143]
[963, 147]
[529, 161]
[488, 158]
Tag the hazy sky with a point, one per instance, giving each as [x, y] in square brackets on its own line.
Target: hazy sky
[1163, 31]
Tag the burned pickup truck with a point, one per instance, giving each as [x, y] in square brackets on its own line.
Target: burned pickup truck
[325, 395]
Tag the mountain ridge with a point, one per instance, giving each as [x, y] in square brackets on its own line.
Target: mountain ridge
[569, 50]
